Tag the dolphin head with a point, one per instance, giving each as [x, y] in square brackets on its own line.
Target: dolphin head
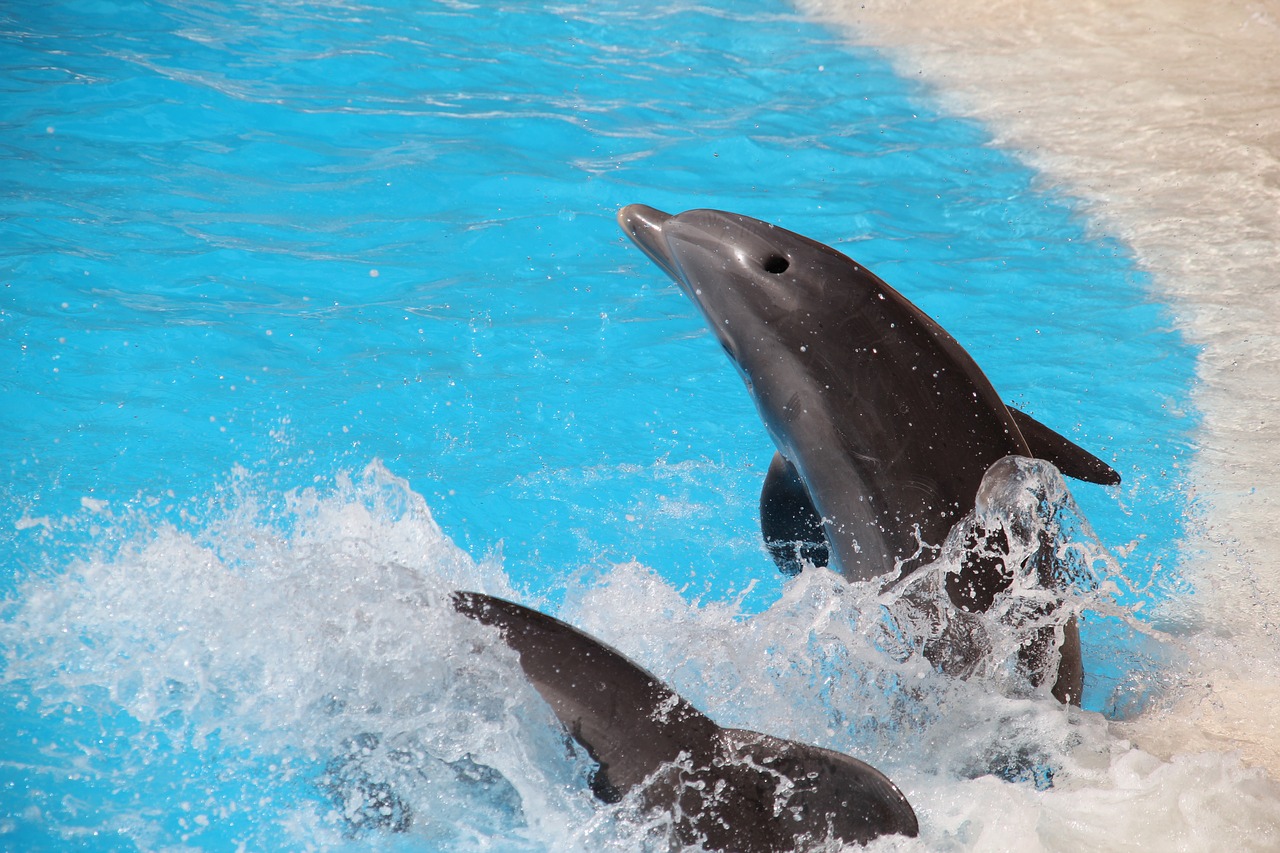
[764, 291]
[749, 278]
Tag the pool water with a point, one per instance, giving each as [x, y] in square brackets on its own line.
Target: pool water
[313, 313]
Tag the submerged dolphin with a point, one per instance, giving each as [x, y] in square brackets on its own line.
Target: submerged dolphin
[726, 789]
[884, 425]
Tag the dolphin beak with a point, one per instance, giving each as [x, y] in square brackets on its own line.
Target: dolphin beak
[643, 225]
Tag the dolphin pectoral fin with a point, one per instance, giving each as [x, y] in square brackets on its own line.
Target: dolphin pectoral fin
[1069, 458]
[789, 521]
[627, 720]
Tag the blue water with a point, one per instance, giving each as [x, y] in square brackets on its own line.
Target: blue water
[249, 248]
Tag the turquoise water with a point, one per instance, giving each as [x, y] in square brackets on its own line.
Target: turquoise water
[248, 249]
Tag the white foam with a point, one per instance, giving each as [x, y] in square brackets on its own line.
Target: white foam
[1164, 117]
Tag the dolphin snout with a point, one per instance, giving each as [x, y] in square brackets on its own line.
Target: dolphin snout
[643, 224]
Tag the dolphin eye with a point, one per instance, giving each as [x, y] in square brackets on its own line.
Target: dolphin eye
[776, 264]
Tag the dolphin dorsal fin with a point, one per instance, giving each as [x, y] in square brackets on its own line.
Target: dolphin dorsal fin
[628, 721]
[1069, 458]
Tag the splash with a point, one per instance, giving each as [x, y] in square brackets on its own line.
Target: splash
[294, 653]
[303, 640]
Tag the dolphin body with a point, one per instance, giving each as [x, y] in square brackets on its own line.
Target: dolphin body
[884, 425]
[726, 789]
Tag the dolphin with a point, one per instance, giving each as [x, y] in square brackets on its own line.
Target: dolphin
[884, 425]
[725, 789]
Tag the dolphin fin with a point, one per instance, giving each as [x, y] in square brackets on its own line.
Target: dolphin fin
[628, 721]
[1069, 458]
[789, 521]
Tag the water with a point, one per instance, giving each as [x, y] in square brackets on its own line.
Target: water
[313, 314]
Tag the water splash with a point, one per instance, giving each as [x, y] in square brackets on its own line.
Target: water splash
[283, 633]
[295, 650]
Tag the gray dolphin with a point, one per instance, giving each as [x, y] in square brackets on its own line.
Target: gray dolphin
[726, 789]
[884, 425]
